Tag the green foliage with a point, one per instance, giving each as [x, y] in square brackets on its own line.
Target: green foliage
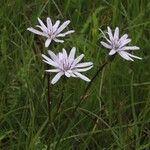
[116, 112]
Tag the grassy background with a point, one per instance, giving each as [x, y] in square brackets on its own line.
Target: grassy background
[116, 114]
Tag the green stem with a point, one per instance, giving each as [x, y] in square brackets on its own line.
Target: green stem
[49, 97]
[49, 102]
[64, 82]
[101, 67]
[109, 59]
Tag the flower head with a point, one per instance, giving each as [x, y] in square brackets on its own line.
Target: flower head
[119, 45]
[67, 65]
[50, 31]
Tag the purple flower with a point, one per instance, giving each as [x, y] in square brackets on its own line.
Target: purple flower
[67, 65]
[51, 32]
[119, 45]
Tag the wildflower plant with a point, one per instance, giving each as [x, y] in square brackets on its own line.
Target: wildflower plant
[50, 31]
[115, 44]
[63, 63]
[67, 65]
[119, 45]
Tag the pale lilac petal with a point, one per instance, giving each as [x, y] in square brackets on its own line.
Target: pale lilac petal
[85, 64]
[110, 33]
[62, 27]
[40, 28]
[78, 59]
[131, 48]
[42, 24]
[124, 42]
[66, 33]
[36, 31]
[52, 55]
[84, 69]
[47, 42]
[83, 77]
[106, 45]
[69, 71]
[73, 75]
[60, 55]
[72, 53]
[55, 26]
[125, 55]
[105, 37]
[59, 41]
[65, 53]
[124, 37]
[112, 52]
[116, 34]
[49, 23]
[53, 70]
[67, 74]
[57, 77]
[49, 61]
[134, 56]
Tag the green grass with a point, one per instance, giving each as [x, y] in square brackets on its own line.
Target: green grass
[115, 115]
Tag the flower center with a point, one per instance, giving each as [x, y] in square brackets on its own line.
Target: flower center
[115, 44]
[66, 64]
[50, 34]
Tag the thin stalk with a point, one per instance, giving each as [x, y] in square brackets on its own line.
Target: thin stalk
[100, 95]
[60, 101]
[109, 60]
[49, 102]
[49, 97]
[101, 67]
[134, 114]
[64, 82]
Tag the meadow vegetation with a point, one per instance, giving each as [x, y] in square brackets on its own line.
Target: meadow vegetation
[116, 111]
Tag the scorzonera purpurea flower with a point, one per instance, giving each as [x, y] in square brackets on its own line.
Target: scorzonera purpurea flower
[119, 45]
[67, 65]
[50, 31]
